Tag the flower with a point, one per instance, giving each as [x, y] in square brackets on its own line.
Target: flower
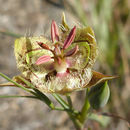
[62, 64]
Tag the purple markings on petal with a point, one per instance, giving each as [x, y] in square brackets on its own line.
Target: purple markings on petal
[54, 32]
[43, 59]
[72, 51]
[70, 38]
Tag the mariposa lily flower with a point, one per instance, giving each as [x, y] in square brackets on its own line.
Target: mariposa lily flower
[62, 64]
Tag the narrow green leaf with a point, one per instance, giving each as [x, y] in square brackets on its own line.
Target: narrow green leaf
[15, 83]
[29, 84]
[39, 94]
[61, 101]
[44, 98]
[69, 101]
[16, 96]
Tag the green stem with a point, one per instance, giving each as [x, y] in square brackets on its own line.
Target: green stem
[69, 101]
[71, 112]
[37, 93]
[29, 84]
[44, 98]
[61, 101]
[78, 125]
[85, 109]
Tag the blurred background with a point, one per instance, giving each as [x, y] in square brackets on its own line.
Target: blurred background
[110, 19]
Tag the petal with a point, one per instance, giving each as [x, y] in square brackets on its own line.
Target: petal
[72, 51]
[43, 59]
[70, 38]
[54, 32]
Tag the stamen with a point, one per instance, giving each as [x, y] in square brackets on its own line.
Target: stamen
[70, 38]
[54, 32]
[59, 60]
[57, 50]
[72, 51]
[43, 59]
[44, 46]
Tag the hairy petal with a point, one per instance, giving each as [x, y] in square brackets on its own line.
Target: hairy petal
[54, 32]
[70, 38]
[43, 59]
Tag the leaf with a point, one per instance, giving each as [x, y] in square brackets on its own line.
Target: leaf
[17, 96]
[38, 94]
[17, 79]
[15, 83]
[98, 95]
[44, 98]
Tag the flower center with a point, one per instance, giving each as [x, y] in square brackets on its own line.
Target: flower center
[60, 63]
[61, 66]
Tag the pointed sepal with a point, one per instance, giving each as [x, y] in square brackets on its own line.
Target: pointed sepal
[99, 78]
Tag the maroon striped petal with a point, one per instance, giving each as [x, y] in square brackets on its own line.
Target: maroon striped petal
[54, 32]
[70, 38]
[43, 59]
[72, 51]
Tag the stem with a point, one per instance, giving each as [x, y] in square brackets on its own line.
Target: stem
[85, 109]
[71, 112]
[69, 101]
[78, 125]
[61, 101]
